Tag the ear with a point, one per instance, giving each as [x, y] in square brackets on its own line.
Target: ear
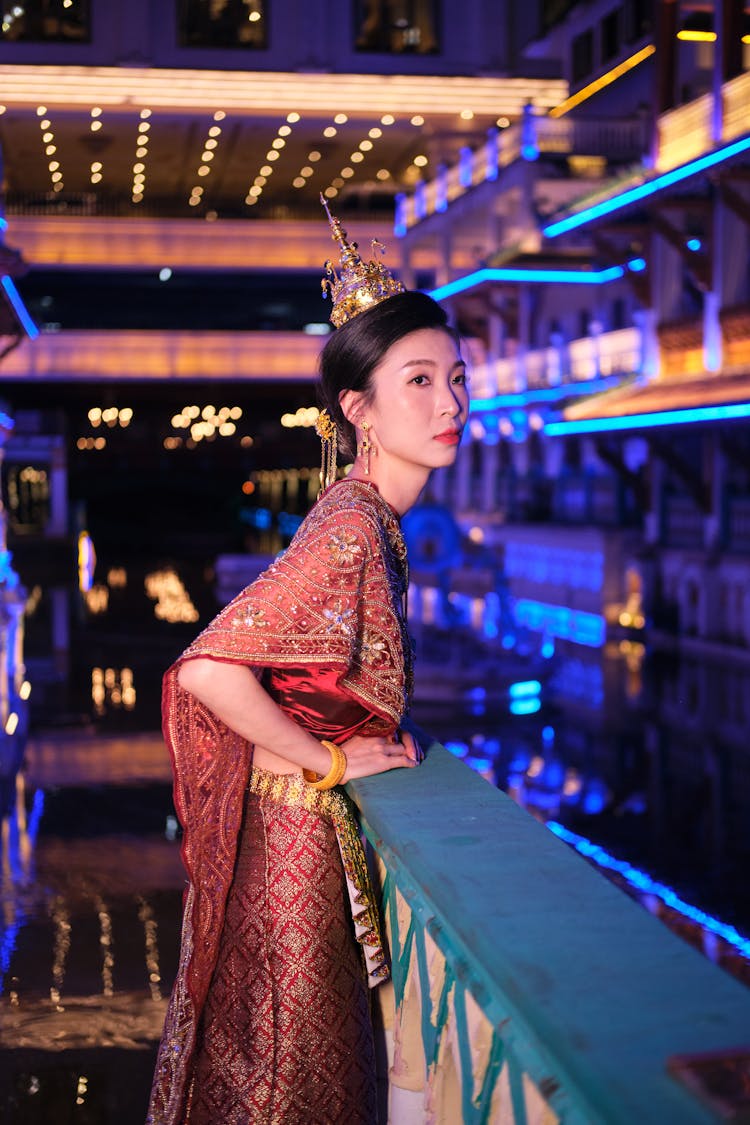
[351, 405]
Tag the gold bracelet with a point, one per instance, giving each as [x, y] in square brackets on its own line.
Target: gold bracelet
[335, 773]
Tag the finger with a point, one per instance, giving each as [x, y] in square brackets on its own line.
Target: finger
[397, 750]
[411, 746]
[403, 758]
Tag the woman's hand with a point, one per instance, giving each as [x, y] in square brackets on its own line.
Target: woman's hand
[366, 756]
[234, 695]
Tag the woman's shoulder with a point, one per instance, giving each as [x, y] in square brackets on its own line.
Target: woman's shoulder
[351, 501]
[343, 522]
[352, 507]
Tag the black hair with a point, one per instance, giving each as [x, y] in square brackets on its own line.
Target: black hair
[356, 348]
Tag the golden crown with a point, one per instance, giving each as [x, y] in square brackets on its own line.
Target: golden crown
[358, 285]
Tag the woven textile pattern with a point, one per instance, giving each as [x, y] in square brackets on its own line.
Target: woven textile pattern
[332, 603]
[286, 1036]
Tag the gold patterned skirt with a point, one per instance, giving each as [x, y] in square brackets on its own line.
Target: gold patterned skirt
[286, 1037]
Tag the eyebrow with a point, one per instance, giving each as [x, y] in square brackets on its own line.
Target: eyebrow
[430, 363]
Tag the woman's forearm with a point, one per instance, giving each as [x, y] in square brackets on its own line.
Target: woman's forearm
[234, 695]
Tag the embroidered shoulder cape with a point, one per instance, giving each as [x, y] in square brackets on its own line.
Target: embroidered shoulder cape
[332, 600]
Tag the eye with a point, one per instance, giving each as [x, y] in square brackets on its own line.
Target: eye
[420, 380]
[460, 379]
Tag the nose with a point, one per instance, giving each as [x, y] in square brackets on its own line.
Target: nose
[452, 400]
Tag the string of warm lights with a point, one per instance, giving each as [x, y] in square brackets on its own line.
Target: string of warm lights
[306, 416]
[207, 423]
[357, 157]
[50, 148]
[97, 599]
[113, 687]
[110, 416]
[306, 170]
[141, 152]
[96, 174]
[255, 190]
[210, 146]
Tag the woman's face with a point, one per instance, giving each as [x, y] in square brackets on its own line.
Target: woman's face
[420, 401]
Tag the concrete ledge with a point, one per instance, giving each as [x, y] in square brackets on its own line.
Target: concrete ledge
[594, 992]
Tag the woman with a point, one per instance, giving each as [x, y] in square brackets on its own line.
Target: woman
[298, 686]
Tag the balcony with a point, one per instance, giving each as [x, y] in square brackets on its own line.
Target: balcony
[618, 140]
[525, 986]
[687, 132]
[575, 362]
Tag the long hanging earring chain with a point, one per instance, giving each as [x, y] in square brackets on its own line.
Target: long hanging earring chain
[365, 447]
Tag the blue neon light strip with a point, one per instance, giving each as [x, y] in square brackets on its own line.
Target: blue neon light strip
[649, 420]
[560, 621]
[523, 688]
[3, 223]
[632, 195]
[19, 308]
[525, 706]
[544, 394]
[513, 273]
[644, 883]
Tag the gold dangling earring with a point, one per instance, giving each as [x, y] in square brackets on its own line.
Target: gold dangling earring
[365, 446]
[326, 431]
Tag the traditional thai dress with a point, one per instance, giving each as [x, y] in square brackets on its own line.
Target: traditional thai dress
[268, 1022]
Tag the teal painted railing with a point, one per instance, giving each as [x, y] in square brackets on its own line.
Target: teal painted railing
[528, 988]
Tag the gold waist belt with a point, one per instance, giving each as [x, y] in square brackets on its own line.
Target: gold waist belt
[291, 790]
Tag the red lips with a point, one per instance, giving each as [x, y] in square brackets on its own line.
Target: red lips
[449, 437]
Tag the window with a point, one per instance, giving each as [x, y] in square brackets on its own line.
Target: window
[397, 27]
[610, 36]
[582, 60]
[28, 497]
[46, 21]
[223, 23]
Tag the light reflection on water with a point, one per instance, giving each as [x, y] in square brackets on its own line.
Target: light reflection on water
[643, 754]
[90, 898]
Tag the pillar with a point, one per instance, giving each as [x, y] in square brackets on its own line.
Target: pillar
[58, 491]
[654, 517]
[524, 335]
[490, 463]
[439, 482]
[665, 66]
[445, 266]
[462, 479]
[407, 269]
[728, 20]
[713, 347]
[645, 321]
[495, 349]
[715, 471]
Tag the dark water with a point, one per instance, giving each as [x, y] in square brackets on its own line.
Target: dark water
[642, 753]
